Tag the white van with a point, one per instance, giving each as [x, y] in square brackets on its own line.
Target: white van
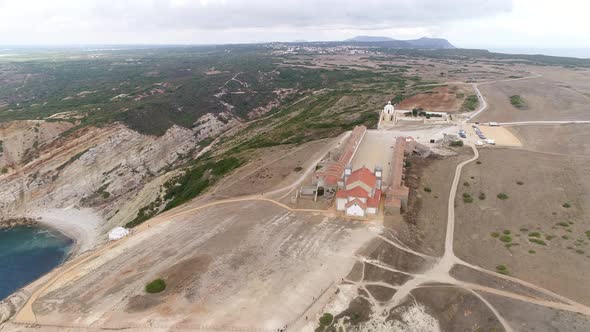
[494, 124]
[489, 141]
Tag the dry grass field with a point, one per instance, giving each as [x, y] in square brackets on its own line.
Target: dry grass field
[541, 225]
[562, 94]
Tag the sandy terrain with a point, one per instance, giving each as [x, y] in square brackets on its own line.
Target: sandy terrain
[501, 135]
[554, 180]
[252, 266]
[81, 225]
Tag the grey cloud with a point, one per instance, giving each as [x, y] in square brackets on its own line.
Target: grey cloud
[239, 14]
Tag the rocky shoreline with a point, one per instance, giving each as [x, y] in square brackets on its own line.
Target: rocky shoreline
[15, 222]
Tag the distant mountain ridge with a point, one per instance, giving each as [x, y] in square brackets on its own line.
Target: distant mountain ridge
[424, 42]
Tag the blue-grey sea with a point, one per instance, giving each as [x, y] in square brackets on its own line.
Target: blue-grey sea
[26, 253]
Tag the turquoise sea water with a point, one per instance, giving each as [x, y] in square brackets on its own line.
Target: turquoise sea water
[26, 253]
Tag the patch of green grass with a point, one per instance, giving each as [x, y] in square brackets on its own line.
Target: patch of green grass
[517, 101]
[502, 269]
[156, 286]
[538, 241]
[508, 245]
[470, 103]
[467, 198]
[506, 238]
[566, 205]
[563, 224]
[588, 234]
[495, 234]
[534, 234]
[427, 189]
[580, 251]
[326, 319]
[532, 252]
[502, 196]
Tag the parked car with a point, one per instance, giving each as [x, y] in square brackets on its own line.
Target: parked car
[494, 124]
[490, 141]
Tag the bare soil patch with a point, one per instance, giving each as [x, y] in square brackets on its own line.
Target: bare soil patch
[569, 139]
[439, 99]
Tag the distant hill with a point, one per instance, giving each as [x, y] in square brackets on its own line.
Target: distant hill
[424, 42]
[369, 39]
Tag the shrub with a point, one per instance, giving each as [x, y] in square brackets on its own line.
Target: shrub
[326, 319]
[502, 196]
[524, 229]
[427, 189]
[532, 252]
[566, 205]
[466, 184]
[549, 237]
[298, 169]
[534, 234]
[482, 196]
[467, 198]
[538, 241]
[579, 251]
[588, 234]
[565, 237]
[457, 143]
[502, 269]
[478, 162]
[517, 101]
[520, 183]
[495, 234]
[506, 238]
[563, 224]
[507, 232]
[155, 286]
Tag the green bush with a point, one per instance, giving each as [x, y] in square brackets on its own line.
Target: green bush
[507, 232]
[427, 189]
[563, 224]
[566, 205]
[517, 101]
[457, 143]
[532, 252]
[467, 198]
[501, 267]
[565, 237]
[495, 234]
[155, 286]
[538, 241]
[534, 234]
[478, 162]
[326, 319]
[482, 196]
[520, 183]
[506, 238]
[549, 237]
[502, 196]
[466, 184]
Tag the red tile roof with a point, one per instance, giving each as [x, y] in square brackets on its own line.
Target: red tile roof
[341, 194]
[374, 201]
[357, 192]
[364, 175]
[356, 201]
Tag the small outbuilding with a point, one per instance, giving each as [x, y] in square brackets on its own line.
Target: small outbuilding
[118, 233]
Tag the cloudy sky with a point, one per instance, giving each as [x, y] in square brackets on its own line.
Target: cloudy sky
[465, 23]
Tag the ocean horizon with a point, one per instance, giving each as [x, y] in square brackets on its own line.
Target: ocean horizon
[582, 53]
